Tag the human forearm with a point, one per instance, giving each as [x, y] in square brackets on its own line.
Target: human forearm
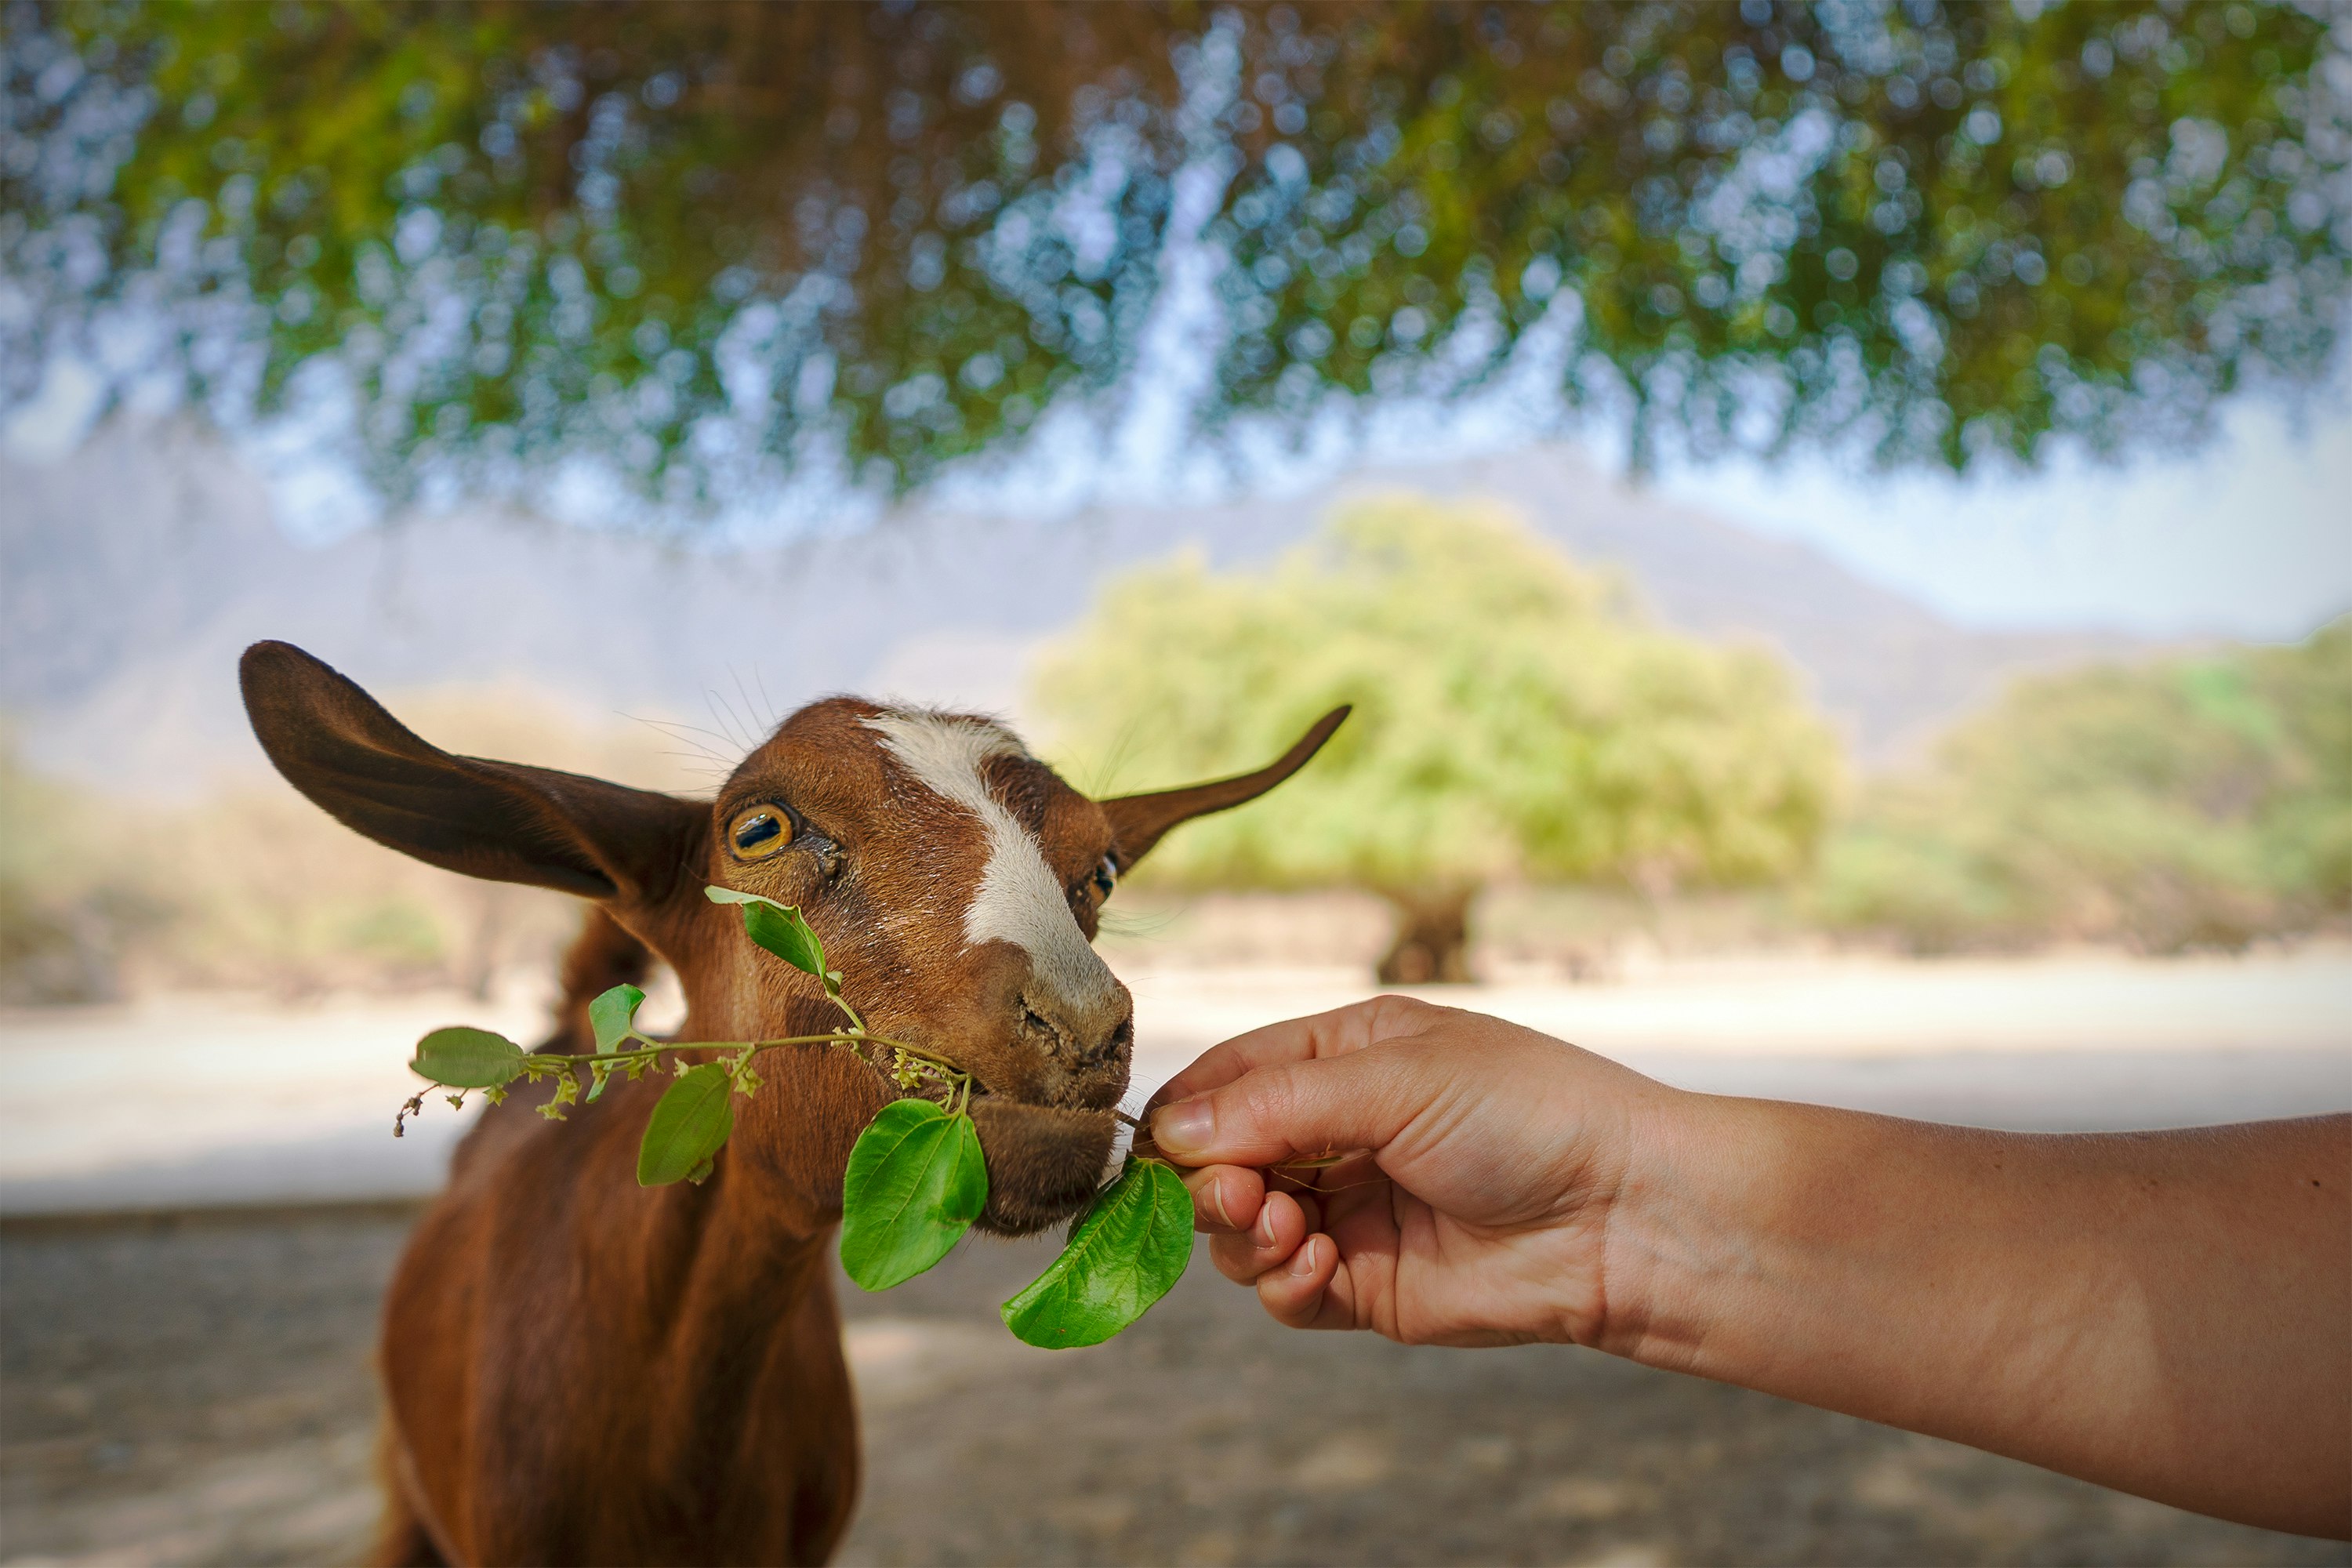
[2163, 1312]
[2057, 1298]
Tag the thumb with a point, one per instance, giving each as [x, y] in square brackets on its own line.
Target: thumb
[1299, 1109]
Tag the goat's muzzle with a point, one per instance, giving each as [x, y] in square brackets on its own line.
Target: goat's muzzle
[1048, 1138]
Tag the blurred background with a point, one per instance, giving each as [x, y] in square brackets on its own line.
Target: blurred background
[1832, 519]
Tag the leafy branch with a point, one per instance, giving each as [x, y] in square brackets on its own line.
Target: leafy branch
[917, 1178]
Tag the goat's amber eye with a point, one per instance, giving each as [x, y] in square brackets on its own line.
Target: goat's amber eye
[1106, 877]
[758, 833]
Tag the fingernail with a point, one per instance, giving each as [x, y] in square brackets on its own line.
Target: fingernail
[1265, 1226]
[1217, 1196]
[1185, 1127]
[1302, 1262]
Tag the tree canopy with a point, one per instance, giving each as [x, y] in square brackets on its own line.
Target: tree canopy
[2185, 802]
[686, 236]
[1514, 714]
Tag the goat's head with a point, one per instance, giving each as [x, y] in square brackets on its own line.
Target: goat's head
[954, 879]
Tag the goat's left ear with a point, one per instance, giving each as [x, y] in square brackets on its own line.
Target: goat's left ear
[1138, 821]
[501, 820]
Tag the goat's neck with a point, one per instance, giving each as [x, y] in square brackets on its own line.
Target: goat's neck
[792, 1140]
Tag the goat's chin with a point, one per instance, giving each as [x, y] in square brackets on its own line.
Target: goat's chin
[1043, 1162]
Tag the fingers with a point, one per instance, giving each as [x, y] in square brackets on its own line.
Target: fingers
[1331, 1034]
[1285, 1253]
[1281, 1225]
[1359, 1099]
[1297, 1090]
[1225, 1198]
[1311, 1289]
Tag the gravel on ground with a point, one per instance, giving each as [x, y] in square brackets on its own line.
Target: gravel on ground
[196, 1390]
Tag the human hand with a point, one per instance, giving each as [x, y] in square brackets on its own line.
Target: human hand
[2159, 1311]
[1476, 1209]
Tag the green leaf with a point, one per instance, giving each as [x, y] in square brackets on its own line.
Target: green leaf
[916, 1183]
[779, 928]
[689, 1126]
[786, 935]
[613, 1016]
[1124, 1254]
[467, 1059]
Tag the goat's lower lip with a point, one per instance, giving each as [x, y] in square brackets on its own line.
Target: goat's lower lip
[1043, 1162]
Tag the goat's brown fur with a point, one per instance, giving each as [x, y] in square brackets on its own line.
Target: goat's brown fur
[581, 1370]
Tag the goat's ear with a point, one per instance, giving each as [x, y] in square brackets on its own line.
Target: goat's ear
[1138, 821]
[501, 820]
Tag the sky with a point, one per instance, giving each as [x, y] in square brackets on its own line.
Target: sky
[2250, 536]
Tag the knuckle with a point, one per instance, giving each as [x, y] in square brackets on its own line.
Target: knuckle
[1399, 1015]
[1261, 1106]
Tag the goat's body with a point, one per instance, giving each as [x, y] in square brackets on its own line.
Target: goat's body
[580, 1370]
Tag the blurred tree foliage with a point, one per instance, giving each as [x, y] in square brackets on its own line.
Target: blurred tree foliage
[252, 894]
[526, 228]
[1513, 716]
[689, 235]
[107, 892]
[66, 912]
[2187, 802]
[1960, 224]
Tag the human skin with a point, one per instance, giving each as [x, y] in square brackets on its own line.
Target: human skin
[2167, 1313]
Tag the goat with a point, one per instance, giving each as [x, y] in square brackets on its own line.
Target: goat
[580, 1370]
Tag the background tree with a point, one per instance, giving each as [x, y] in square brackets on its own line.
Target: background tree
[1513, 716]
[2183, 803]
[687, 236]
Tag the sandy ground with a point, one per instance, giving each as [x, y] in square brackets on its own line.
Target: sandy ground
[197, 1392]
[194, 1388]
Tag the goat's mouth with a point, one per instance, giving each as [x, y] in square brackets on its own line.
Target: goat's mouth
[1046, 1114]
[1043, 1161]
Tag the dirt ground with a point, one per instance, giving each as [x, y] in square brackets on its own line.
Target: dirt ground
[196, 1391]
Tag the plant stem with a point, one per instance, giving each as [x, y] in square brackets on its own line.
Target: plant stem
[841, 1001]
[957, 1080]
[960, 1085]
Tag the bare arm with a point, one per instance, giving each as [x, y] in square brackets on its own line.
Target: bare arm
[2167, 1313]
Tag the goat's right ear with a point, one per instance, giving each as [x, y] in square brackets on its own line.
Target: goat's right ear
[1139, 821]
[501, 820]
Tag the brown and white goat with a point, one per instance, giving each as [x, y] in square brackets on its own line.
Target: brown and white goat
[580, 1370]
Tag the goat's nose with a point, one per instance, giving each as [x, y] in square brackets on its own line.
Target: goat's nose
[1081, 1032]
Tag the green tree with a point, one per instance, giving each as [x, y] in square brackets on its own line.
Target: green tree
[1950, 226]
[1514, 715]
[663, 232]
[2182, 802]
[686, 236]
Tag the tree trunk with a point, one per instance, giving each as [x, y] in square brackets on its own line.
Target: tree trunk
[492, 906]
[1432, 938]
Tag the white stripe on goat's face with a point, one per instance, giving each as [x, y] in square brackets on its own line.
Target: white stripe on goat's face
[1017, 900]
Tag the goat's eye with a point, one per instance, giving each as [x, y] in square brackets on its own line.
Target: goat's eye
[1106, 877]
[758, 833]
